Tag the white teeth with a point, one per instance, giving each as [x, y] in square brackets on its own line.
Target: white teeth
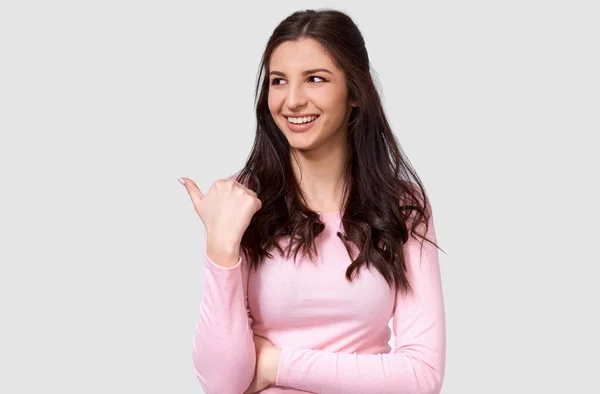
[304, 119]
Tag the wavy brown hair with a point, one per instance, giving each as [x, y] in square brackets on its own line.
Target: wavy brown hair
[382, 195]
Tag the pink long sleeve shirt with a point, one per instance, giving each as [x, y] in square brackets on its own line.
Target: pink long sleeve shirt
[333, 333]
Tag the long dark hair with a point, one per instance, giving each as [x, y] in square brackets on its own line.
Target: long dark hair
[383, 195]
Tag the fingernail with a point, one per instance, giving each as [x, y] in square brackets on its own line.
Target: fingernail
[181, 181]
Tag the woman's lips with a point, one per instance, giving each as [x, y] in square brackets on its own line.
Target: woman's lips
[300, 127]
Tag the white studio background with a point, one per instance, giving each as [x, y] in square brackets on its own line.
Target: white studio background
[103, 104]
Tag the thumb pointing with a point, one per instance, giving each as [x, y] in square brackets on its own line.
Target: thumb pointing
[192, 189]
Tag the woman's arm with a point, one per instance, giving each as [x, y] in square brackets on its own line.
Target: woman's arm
[223, 347]
[417, 363]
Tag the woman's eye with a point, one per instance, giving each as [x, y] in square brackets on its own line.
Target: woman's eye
[276, 81]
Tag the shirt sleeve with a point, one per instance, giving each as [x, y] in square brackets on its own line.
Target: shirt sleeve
[417, 363]
[223, 351]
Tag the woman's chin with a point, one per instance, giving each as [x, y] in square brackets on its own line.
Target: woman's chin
[301, 147]
[300, 142]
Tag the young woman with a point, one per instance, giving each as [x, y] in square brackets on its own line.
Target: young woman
[324, 236]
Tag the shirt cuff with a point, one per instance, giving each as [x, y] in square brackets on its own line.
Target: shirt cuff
[212, 265]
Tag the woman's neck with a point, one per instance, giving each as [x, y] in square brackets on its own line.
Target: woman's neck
[320, 175]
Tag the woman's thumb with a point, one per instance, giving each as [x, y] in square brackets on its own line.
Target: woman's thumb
[193, 190]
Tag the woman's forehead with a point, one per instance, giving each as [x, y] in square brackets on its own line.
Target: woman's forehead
[301, 55]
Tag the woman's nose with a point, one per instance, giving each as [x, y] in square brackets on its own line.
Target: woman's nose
[296, 97]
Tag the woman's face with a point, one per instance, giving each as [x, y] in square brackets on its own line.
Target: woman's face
[304, 82]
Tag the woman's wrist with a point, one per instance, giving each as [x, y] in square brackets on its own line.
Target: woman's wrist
[273, 364]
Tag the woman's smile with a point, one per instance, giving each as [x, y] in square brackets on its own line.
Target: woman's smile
[300, 124]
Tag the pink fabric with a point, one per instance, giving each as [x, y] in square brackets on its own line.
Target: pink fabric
[333, 333]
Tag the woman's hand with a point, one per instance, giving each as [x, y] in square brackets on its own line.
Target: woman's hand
[226, 211]
[267, 360]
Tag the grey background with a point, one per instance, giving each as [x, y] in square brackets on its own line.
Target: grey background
[104, 104]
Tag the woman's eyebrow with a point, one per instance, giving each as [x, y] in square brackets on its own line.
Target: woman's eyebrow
[314, 70]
